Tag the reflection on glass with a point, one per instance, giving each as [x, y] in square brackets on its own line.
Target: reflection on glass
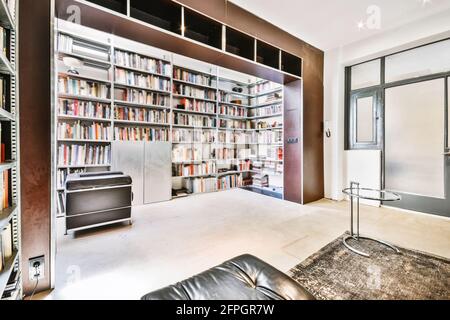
[364, 120]
[366, 74]
[415, 138]
[422, 61]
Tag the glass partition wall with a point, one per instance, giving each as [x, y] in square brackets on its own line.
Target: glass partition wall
[399, 104]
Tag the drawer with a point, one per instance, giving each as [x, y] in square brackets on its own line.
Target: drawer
[97, 218]
[97, 200]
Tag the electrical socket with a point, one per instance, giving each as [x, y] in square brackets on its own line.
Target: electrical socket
[36, 265]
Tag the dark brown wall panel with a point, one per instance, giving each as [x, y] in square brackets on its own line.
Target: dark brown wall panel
[35, 128]
[293, 142]
[313, 59]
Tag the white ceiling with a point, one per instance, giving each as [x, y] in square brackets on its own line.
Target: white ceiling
[328, 24]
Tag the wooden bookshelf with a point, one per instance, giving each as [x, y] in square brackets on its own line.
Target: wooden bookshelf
[10, 215]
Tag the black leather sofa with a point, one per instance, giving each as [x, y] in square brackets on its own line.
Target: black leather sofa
[243, 278]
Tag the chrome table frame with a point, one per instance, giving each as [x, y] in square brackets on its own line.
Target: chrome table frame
[357, 236]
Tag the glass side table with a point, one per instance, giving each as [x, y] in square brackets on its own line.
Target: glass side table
[355, 192]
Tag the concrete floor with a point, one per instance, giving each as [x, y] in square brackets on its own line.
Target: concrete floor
[174, 240]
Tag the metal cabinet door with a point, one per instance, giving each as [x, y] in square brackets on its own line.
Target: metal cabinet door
[157, 172]
[128, 157]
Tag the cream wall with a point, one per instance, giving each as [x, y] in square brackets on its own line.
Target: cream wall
[421, 32]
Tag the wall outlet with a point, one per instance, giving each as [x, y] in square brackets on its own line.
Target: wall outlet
[36, 266]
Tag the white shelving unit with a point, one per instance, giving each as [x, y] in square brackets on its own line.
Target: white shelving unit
[221, 84]
[10, 276]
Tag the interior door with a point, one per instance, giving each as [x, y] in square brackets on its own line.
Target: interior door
[417, 164]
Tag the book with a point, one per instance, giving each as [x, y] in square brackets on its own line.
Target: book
[3, 92]
[136, 61]
[3, 41]
[7, 242]
[5, 189]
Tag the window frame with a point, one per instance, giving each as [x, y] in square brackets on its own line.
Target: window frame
[377, 131]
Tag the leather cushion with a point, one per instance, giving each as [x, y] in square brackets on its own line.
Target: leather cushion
[96, 180]
[243, 278]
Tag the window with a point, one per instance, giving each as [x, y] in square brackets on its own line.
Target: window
[364, 122]
[366, 75]
[422, 61]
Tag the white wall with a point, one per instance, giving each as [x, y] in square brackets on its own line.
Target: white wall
[431, 29]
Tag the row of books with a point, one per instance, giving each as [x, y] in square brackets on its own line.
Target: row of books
[276, 109]
[234, 124]
[270, 137]
[233, 111]
[229, 98]
[62, 174]
[83, 155]
[187, 170]
[273, 97]
[264, 87]
[237, 165]
[142, 97]
[182, 153]
[192, 136]
[136, 61]
[193, 92]
[183, 75]
[200, 185]
[232, 153]
[266, 124]
[151, 82]
[229, 182]
[6, 245]
[83, 88]
[268, 152]
[193, 120]
[81, 131]
[141, 134]
[87, 109]
[195, 105]
[236, 137]
[141, 114]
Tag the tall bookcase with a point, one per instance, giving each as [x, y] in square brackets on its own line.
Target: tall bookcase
[10, 246]
[225, 128]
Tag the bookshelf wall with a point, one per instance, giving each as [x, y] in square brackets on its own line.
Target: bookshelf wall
[225, 128]
[10, 246]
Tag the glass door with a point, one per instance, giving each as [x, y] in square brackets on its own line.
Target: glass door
[417, 162]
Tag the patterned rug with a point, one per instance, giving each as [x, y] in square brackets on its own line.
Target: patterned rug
[336, 273]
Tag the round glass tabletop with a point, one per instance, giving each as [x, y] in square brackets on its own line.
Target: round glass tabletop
[372, 194]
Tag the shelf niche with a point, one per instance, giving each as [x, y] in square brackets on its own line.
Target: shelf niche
[119, 6]
[240, 44]
[164, 14]
[268, 55]
[291, 64]
[202, 29]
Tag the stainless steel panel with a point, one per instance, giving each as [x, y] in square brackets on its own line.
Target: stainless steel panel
[157, 172]
[128, 157]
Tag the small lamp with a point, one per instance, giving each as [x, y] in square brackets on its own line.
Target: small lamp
[73, 64]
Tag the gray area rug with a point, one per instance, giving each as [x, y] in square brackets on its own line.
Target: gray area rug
[335, 273]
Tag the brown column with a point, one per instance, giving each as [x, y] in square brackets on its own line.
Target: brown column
[35, 128]
[293, 140]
